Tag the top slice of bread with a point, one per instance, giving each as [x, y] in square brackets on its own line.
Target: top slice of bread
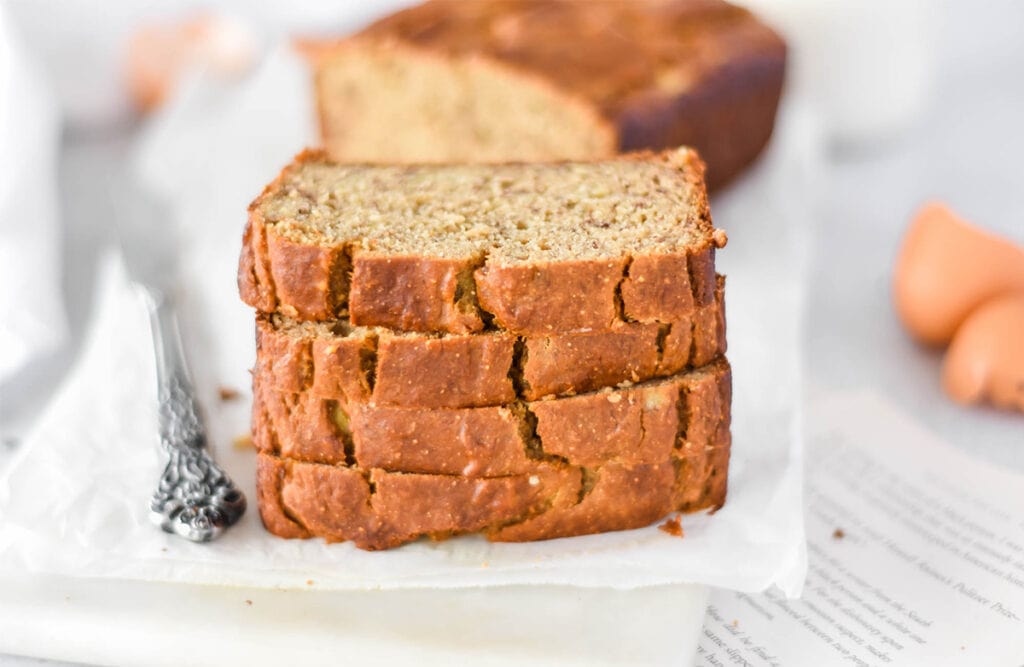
[499, 80]
[527, 248]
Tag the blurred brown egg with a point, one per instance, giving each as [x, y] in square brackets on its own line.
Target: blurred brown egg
[986, 359]
[158, 54]
[946, 268]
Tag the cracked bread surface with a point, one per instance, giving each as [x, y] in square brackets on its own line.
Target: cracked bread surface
[634, 425]
[380, 366]
[378, 509]
[526, 248]
[495, 80]
[621, 497]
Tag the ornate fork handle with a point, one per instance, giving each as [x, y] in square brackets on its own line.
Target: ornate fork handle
[195, 499]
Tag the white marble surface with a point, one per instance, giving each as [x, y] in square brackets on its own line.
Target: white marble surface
[966, 150]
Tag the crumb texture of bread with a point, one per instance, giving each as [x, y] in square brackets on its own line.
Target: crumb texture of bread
[499, 80]
[524, 248]
[381, 102]
[511, 488]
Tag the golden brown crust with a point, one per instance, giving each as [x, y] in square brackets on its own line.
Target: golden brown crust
[622, 497]
[270, 473]
[295, 427]
[705, 404]
[708, 338]
[339, 368]
[702, 456]
[631, 426]
[289, 360]
[579, 362]
[386, 368]
[551, 297]
[657, 289]
[676, 346]
[634, 425]
[438, 506]
[254, 282]
[476, 442]
[410, 293]
[305, 277]
[448, 372]
[477, 370]
[331, 367]
[275, 274]
[330, 502]
[703, 278]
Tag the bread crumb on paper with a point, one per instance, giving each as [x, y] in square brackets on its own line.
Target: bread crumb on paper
[672, 526]
[227, 393]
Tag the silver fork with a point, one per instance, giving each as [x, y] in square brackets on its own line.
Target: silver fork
[195, 498]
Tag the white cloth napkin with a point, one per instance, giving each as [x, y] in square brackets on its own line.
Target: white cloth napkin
[75, 501]
[31, 301]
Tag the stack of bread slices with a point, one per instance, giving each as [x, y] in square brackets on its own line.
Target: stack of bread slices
[526, 351]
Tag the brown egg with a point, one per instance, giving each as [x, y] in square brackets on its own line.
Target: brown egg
[986, 359]
[946, 268]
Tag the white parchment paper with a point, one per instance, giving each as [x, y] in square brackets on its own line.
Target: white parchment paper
[74, 501]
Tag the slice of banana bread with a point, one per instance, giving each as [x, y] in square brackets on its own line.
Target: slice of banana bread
[633, 425]
[364, 364]
[525, 248]
[498, 80]
[546, 497]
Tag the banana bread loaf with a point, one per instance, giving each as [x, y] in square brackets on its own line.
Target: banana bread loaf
[524, 248]
[499, 80]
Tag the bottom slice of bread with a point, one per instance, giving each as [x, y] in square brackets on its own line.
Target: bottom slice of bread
[376, 509]
[552, 497]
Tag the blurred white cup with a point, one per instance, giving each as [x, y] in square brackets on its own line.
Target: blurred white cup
[865, 66]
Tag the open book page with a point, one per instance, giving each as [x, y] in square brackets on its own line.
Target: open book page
[915, 549]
